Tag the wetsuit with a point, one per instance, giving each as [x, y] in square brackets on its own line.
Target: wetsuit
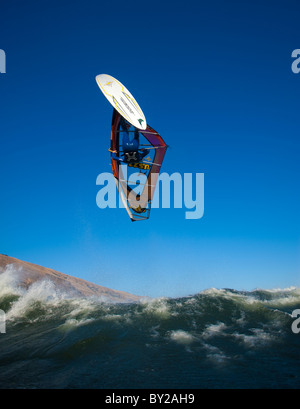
[132, 154]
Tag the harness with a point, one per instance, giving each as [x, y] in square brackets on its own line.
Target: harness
[131, 157]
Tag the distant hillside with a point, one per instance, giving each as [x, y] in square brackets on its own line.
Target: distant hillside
[28, 273]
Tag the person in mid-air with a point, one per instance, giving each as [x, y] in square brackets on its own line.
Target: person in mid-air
[132, 153]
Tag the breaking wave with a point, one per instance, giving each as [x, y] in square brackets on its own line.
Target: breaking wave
[219, 338]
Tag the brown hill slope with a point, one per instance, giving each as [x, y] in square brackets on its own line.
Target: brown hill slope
[28, 273]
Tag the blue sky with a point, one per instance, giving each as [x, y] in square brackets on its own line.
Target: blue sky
[215, 79]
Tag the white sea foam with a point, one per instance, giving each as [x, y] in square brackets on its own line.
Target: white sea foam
[46, 293]
[41, 291]
[158, 307]
[73, 323]
[280, 297]
[214, 329]
[182, 337]
[280, 290]
[9, 281]
[215, 354]
[257, 339]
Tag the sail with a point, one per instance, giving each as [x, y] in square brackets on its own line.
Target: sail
[136, 181]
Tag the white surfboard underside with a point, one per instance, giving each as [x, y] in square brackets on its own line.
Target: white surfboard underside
[122, 100]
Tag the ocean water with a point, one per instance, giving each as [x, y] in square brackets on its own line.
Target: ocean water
[219, 338]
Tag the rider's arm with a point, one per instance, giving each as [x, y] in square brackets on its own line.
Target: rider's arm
[115, 157]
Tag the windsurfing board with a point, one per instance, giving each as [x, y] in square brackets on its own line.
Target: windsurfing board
[122, 100]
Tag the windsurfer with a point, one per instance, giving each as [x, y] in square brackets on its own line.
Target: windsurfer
[132, 153]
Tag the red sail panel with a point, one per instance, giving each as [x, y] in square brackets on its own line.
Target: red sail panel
[137, 204]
